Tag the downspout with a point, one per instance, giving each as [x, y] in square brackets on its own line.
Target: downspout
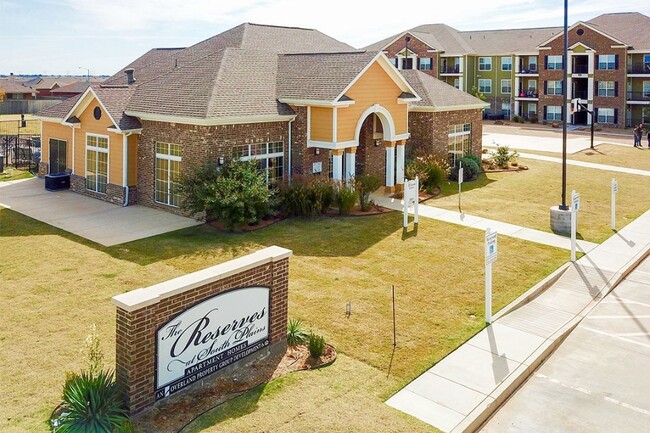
[125, 161]
[289, 169]
[73, 148]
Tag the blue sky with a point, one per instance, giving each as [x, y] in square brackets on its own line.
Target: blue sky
[62, 36]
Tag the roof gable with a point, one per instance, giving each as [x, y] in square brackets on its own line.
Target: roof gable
[576, 25]
[436, 95]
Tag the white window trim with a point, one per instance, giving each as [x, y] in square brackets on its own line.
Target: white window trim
[485, 64]
[606, 117]
[510, 86]
[506, 57]
[645, 89]
[265, 156]
[607, 89]
[430, 64]
[167, 157]
[558, 113]
[108, 159]
[555, 63]
[484, 79]
[459, 134]
[607, 68]
[555, 87]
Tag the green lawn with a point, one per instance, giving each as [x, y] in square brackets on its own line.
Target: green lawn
[610, 154]
[13, 174]
[55, 285]
[10, 125]
[524, 198]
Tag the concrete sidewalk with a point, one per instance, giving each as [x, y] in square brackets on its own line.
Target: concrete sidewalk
[586, 164]
[460, 392]
[502, 228]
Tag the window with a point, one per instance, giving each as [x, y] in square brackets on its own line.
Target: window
[168, 174]
[646, 63]
[394, 61]
[554, 87]
[460, 141]
[553, 62]
[269, 158]
[505, 109]
[532, 85]
[646, 89]
[506, 63]
[57, 155]
[606, 61]
[407, 63]
[425, 64]
[485, 63]
[485, 85]
[506, 86]
[553, 112]
[532, 63]
[606, 115]
[96, 163]
[457, 83]
[606, 88]
[532, 109]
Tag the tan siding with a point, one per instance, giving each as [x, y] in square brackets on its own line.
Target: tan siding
[133, 160]
[60, 132]
[115, 144]
[374, 87]
[321, 124]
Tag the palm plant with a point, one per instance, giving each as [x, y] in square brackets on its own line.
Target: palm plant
[296, 335]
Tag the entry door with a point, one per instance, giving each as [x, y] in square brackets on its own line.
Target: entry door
[57, 156]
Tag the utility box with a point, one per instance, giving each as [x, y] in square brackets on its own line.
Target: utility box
[57, 182]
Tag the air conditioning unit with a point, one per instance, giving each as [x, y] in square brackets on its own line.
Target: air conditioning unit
[56, 182]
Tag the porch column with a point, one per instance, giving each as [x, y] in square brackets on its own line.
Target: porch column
[400, 164]
[390, 165]
[350, 162]
[337, 169]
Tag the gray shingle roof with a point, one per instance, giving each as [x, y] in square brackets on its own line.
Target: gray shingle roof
[448, 37]
[9, 85]
[510, 41]
[60, 110]
[321, 76]
[436, 93]
[115, 99]
[632, 28]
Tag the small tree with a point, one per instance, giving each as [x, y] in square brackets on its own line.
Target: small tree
[365, 185]
[235, 194]
[476, 92]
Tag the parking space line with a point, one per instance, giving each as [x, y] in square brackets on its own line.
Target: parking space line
[627, 340]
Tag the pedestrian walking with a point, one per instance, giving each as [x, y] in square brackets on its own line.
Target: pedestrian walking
[638, 131]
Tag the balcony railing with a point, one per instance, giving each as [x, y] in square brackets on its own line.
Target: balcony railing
[580, 69]
[528, 94]
[529, 69]
[454, 69]
[638, 96]
[580, 94]
[639, 68]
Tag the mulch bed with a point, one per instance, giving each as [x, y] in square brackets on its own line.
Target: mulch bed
[502, 170]
[250, 227]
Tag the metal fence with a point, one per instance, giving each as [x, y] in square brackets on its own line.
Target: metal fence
[26, 106]
[20, 152]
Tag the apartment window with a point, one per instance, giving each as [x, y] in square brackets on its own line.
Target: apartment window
[168, 174]
[269, 158]
[485, 85]
[506, 86]
[96, 163]
[532, 109]
[506, 63]
[505, 109]
[425, 64]
[646, 89]
[485, 63]
[606, 115]
[407, 63]
[457, 83]
[606, 88]
[460, 141]
[532, 63]
[554, 87]
[606, 61]
[553, 112]
[532, 85]
[554, 62]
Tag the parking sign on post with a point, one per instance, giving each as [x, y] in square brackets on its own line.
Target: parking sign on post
[490, 257]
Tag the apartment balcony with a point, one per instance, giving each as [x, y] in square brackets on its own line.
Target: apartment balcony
[580, 70]
[639, 69]
[579, 94]
[450, 70]
[530, 95]
[641, 98]
[530, 71]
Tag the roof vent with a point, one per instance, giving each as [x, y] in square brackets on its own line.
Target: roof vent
[130, 79]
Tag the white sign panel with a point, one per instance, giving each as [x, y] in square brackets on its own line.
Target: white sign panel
[614, 186]
[490, 247]
[210, 336]
[411, 192]
[575, 200]
[317, 167]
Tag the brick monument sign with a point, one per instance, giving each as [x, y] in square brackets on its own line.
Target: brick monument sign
[173, 335]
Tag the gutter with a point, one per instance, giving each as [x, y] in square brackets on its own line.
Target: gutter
[125, 161]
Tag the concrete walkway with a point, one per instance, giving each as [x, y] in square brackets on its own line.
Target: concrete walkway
[460, 392]
[586, 164]
[502, 228]
[101, 222]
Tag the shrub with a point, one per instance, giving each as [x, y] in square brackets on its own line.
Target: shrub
[502, 156]
[365, 185]
[477, 159]
[235, 194]
[518, 119]
[295, 333]
[307, 196]
[430, 171]
[316, 345]
[470, 169]
[92, 404]
[93, 352]
[323, 191]
[345, 198]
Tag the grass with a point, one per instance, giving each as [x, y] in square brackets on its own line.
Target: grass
[58, 285]
[524, 198]
[609, 154]
[13, 174]
[9, 125]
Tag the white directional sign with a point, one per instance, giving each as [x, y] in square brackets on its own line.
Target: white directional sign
[575, 201]
[411, 198]
[490, 247]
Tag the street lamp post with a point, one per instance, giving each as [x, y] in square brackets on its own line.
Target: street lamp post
[565, 117]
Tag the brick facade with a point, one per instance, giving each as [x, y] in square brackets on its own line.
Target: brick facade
[136, 326]
[114, 193]
[601, 44]
[302, 157]
[416, 46]
[370, 159]
[430, 131]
